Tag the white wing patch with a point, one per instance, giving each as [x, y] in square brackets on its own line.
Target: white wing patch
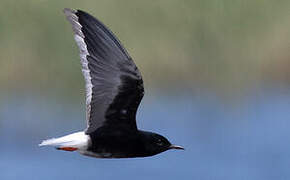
[79, 38]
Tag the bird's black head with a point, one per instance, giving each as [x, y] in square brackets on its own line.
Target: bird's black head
[155, 143]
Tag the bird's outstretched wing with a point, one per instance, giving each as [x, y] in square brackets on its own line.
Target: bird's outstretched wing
[114, 86]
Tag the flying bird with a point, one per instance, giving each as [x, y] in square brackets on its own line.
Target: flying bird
[114, 90]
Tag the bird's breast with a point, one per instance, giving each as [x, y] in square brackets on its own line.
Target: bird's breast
[115, 145]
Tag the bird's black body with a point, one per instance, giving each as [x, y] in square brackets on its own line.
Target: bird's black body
[125, 144]
[114, 90]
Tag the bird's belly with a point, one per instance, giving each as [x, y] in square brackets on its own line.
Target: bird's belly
[104, 154]
[113, 150]
[96, 154]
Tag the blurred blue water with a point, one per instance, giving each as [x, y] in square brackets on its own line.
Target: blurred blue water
[248, 140]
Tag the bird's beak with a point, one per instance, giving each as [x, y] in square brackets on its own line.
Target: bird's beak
[172, 146]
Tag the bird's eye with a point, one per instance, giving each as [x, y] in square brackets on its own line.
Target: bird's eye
[124, 111]
[159, 142]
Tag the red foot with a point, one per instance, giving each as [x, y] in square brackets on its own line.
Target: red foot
[67, 148]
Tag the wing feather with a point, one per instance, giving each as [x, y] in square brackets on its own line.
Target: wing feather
[114, 86]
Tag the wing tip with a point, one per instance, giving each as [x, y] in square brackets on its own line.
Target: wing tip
[68, 11]
[70, 14]
[72, 17]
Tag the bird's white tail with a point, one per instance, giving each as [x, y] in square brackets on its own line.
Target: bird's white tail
[71, 142]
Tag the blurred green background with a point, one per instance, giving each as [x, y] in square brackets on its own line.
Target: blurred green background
[217, 81]
[223, 46]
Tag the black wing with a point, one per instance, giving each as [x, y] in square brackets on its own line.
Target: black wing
[114, 86]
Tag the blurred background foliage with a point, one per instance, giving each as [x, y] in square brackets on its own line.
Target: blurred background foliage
[227, 47]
